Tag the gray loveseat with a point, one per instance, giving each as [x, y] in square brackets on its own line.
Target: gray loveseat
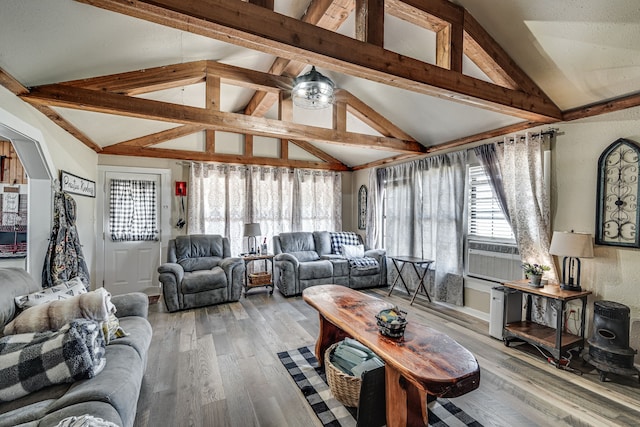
[111, 395]
[200, 271]
[304, 259]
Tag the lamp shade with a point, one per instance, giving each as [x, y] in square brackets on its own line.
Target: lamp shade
[252, 229]
[312, 90]
[576, 245]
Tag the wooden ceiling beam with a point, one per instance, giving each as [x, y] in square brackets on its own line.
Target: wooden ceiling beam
[177, 75]
[617, 104]
[13, 85]
[492, 59]
[247, 78]
[105, 102]
[260, 29]
[455, 143]
[201, 156]
[459, 142]
[67, 126]
[385, 161]
[159, 137]
[146, 80]
[408, 13]
[370, 21]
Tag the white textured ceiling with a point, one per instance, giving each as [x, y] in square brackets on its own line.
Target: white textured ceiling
[578, 51]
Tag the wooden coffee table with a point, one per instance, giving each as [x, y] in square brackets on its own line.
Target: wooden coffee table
[423, 362]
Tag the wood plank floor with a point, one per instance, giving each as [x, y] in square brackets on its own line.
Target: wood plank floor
[217, 366]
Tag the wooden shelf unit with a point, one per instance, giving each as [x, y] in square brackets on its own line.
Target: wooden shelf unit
[555, 340]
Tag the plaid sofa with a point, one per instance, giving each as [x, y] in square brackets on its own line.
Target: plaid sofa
[304, 259]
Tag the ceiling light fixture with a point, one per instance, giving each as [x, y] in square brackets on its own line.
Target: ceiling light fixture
[312, 90]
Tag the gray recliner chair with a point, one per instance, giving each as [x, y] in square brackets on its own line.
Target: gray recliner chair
[200, 271]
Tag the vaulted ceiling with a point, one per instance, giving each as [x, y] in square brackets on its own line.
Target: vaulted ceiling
[210, 80]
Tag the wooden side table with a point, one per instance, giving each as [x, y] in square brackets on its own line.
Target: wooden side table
[258, 281]
[554, 340]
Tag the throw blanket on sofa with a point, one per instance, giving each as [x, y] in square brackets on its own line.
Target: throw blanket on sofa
[365, 263]
[29, 362]
[341, 238]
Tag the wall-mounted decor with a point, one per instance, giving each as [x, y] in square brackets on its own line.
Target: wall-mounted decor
[362, 208]
[73, 184]
[618, 213]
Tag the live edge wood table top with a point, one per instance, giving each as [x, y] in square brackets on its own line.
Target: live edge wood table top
[423, 362]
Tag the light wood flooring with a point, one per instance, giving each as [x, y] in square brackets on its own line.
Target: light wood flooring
[217, 366]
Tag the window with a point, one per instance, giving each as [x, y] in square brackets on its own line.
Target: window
[486, 219]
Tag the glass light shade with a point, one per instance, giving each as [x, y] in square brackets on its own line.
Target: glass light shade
[576, 245]
[312, 90]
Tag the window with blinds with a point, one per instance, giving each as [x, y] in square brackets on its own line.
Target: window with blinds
[486, 219]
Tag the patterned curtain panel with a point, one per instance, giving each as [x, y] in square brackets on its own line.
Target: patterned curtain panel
[522, 169]
[132, 210]
[271, 200]
[218, 202]
[317, 200]
[225, 197]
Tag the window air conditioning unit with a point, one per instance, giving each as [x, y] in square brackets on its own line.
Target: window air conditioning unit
[498, 262]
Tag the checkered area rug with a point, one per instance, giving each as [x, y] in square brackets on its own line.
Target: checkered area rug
[311, 380]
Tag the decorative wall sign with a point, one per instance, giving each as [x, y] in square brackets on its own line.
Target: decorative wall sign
[362, 208]
[74, 184]
[618, 215]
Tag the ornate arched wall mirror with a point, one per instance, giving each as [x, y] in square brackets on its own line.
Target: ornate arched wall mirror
[362, 208]
[617, 215]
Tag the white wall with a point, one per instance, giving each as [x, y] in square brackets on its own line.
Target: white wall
[613, 273]
[68, 154]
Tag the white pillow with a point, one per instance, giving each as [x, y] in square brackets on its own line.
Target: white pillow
[66, 290]
[353, 251]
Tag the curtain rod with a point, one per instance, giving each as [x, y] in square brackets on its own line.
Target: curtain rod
[550, 131]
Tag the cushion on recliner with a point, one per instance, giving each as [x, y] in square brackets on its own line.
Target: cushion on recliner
[200, 263]
[306, 256]
[203, 280]
[322, 240]
[297, 242]
[315, 270]
[198, 246]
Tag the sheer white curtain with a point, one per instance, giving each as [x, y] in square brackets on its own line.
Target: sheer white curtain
[317, 200]
[225, 197]
[521, 163]
[425, 217]
[218, 201]
[271, 200]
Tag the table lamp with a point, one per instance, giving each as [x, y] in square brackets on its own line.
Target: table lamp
[572, 246]
[251, 231]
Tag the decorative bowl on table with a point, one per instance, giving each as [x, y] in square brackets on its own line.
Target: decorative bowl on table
[392, 322]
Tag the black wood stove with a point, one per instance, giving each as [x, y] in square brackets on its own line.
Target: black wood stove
[609, 349]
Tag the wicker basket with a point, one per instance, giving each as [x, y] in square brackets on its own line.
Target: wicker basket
[259, 278]
[345, 388]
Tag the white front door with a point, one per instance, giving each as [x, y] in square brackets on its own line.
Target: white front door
[130, 266]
